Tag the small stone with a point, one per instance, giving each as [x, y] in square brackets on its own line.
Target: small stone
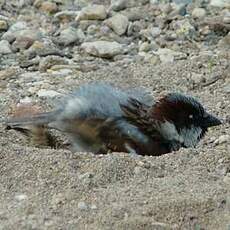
[118, 23]
[93, 12]
[220, 3]
[198, 13]
[22, 43]
[49, 61]
[183, 28]
[225, 42]
[66, 15]
[49, 7]
[3, 25]
[5, 47]
[144, 47]
[168, 55]
[197, 77]
[71, 36]
[48, 93]
[21, 197]
[227, 179]
[82, 206]
[222, 139]
[226, 19]
[226, 88]
[93, 207]
[118, 5]
[104, 49]
[155, 31]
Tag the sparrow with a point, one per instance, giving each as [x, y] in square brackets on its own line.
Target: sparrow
[100, 118]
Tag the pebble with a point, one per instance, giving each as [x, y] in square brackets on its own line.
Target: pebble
[21, 197]
[5, 47]
[92, 12]
[3, 25]
[227, 179]
[66, 15]
[167, 55]
[220, 3]
[222, 139]
[226, 89]
[49, 7]
[118, 23]
[198, 13]
[118, 5]
[104, 49]
[82, 206]
[71, 36]
[48, 93]
[51, 60]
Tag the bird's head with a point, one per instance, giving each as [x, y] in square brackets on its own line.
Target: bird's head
[182, 118]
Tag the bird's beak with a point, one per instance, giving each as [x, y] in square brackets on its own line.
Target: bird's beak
[210, 120]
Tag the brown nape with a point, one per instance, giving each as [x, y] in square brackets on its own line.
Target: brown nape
[38, 135]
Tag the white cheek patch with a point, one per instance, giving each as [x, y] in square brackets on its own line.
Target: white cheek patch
[169, 132]
[191, 136]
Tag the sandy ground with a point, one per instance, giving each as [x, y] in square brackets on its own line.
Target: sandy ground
[188, 189]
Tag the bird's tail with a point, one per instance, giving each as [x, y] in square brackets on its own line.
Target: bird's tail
[29, 121]
[35, 119]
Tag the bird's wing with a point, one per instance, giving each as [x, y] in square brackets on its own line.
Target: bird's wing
[138, 114]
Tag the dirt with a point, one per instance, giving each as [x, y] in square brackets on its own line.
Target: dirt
[188, 189]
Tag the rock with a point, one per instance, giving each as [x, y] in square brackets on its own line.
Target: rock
[226, 19]
[155, 31]
[225, 42]
[66, 15]
[198, 13]
[93, 207]
[227, 179]
[49, 7]
[118, 23]
[49, 61]
[93, 12]
[104, 49]
[226, 89]
[3, 25]
[82, 206]
[22, 43]
[48, 93]
[197, 77]
[222, 139]
[183, 28]
[21, 197]
[118, 5]
[71, 36]
[29, 34]
[168, 55]
[220, 3]
[134, 28]
[5, 47]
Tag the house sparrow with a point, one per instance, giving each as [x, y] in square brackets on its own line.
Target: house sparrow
[100, 118]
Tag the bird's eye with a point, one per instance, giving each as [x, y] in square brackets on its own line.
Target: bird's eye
[190, 116]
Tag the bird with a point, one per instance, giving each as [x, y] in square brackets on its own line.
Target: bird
[100, 118]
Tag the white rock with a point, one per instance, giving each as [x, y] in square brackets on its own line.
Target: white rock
[104, 49]
[167, 55]
[220, 3]
[21, 197]
[117, 5]
[47, 93]
[82, 205]
[223, 139]
[5, 47]
[118, 23]
[93, 12]
[198, 13]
